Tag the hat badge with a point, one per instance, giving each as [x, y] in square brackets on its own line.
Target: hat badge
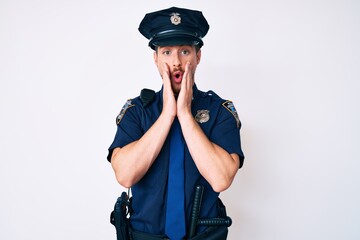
[175, 18]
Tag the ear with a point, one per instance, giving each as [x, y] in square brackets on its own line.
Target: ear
[198, 56]
[155, 57]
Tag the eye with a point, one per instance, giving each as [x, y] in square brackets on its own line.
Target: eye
[185, 52]
[166, 52]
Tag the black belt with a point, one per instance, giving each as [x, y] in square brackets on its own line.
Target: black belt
[134, 235]
[211, 233]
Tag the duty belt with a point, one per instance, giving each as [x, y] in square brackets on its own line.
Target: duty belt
[217, 227]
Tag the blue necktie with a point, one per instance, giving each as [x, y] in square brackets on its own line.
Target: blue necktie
[175, 209]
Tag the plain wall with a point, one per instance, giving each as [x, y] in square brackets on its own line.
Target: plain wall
[290, 67]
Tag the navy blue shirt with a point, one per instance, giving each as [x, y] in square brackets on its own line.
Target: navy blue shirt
[219, 121]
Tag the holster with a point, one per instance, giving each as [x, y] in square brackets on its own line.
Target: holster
[120, 217]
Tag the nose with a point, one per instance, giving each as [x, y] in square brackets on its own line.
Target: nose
[176, 61]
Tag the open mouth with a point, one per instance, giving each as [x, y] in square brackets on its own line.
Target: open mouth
[178, 76]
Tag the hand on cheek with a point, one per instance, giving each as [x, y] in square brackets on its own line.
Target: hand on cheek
[189, 81]
[169, 102]
[185, 96]
[164, 72]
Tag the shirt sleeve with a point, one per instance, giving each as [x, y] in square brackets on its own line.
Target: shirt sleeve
[128, 129]
[226, 132]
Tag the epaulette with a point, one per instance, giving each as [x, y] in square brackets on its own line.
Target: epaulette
[210, 93]
[126, 106]
[147, 96]
[229, 105]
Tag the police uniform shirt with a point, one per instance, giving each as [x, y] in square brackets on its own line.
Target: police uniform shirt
[218, 120]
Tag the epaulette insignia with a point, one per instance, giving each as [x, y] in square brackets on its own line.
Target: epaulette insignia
[231, 108]
[127, 105]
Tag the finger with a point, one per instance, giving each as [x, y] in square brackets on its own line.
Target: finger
[166, 79]
[186, 84]
[187, 75]
[165, 74]
[187, 67]
[165, 71]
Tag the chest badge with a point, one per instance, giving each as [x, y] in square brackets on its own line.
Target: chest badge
[202, 116]
[175, 18]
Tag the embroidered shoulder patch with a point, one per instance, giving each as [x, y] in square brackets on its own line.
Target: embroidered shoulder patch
[127, 105]
[231, 108]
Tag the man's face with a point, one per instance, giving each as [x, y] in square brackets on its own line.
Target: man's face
[176, 58]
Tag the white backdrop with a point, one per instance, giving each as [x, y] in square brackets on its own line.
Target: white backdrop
[291, 68]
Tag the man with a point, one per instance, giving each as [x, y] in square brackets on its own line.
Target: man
[206, 151]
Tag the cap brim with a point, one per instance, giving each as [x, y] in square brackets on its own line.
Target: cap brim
[175, 41]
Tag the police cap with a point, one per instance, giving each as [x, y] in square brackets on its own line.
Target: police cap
[174, 26]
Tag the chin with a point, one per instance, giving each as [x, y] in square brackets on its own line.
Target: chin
[176, 90]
